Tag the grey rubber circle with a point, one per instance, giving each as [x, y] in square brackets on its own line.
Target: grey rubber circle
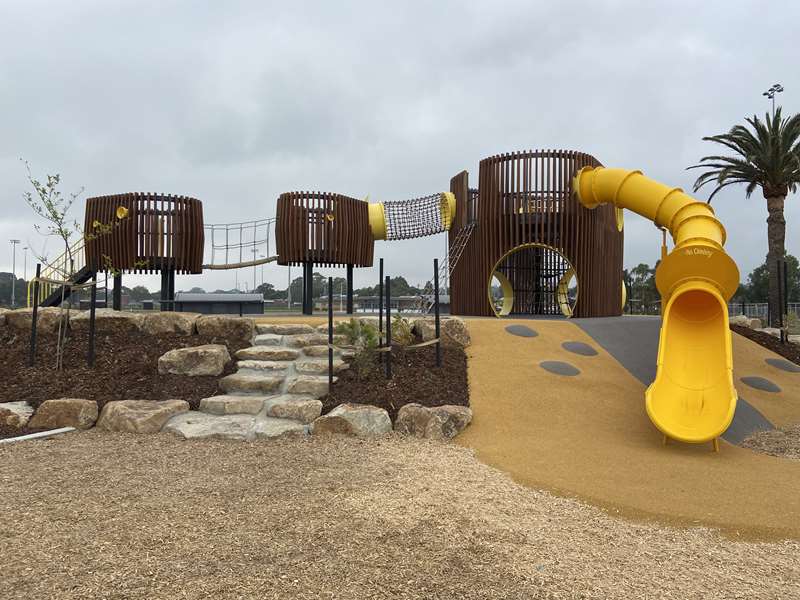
[559, 368]
[521, 330]
[579, 348]
[782, 364]
[759, 383]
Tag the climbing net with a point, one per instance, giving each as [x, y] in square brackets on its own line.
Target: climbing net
[237, 245]
[419, 217]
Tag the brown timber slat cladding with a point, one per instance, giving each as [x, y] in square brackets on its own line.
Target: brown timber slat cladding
[160, 232]
[526, 198]
[323, 228]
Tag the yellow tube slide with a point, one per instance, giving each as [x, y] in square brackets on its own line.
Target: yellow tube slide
[692, 398]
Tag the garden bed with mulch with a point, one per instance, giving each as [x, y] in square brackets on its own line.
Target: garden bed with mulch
[415, 378]
[787, 350]
[126, 368]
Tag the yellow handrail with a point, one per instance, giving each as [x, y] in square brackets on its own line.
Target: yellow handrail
[60, 269]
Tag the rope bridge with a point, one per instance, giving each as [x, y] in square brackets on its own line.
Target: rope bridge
[239, 245]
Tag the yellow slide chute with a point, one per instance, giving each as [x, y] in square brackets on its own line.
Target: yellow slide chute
[692, 398]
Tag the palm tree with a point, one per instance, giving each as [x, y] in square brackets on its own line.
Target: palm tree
[766, 155]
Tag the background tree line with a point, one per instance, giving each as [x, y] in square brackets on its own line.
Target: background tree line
[642, 292]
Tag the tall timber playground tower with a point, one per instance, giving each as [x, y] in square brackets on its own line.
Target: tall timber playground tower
[521, 243]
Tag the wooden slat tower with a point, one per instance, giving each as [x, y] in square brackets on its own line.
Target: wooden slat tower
[525, 202]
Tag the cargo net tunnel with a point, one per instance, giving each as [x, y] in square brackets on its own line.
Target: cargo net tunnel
[327, 229]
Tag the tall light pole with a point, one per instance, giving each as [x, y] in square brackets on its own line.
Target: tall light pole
[770, 93]
[14, 272]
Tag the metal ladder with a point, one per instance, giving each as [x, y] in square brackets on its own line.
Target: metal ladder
[448, 264]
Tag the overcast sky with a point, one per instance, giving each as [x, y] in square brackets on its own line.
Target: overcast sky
[235, 102]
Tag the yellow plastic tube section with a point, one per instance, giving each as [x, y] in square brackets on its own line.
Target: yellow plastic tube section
[377, 215]
[692, 398]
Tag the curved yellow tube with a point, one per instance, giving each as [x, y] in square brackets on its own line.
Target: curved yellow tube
[692, 398]
[377, 221]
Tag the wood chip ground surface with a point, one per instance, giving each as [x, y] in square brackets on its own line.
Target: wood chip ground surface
[98, 515]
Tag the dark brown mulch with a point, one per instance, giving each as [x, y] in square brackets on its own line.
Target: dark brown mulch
[787, 350]
[126, 369]
[415, 378]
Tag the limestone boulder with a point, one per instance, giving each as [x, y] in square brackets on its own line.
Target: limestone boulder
[205, 360]
[305, 339]
[3, 312]
[65, 412]
[364, 420]
[297, 408]
[226, 327]
[309, 385]
[310, 366]
[439, 422]
[291, 329]
[739, 320]
[267, 353]
[198, 425]
[755, 323]
[232, 405]
[267, 428]
[181, 323]
[15, 414]
[327, 425]
[245, 383]
[47, 319]
[454, 331]
[107, 320]
[139, 416]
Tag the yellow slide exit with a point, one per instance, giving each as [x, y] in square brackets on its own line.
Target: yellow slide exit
[692, 398]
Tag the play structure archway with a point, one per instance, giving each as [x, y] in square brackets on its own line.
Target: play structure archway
[533, 279]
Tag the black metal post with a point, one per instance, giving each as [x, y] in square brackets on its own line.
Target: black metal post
[164, 290]
[34, 316]
[388, 328]
[349, 289]
[92, 312]
[308, 285]
[171, 289]
[380, 306]
[436, 311]
[330, 334]
[117, 298]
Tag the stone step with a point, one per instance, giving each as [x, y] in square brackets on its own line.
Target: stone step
[310, 366]
[305, 339]
[290, 406]
[243, 383]
[232, 405]
[309, 385]
[284, 328]
[267, 353]
[263, 366]
[199, 425]
[268, 427]
[268, 339]
[318, 351]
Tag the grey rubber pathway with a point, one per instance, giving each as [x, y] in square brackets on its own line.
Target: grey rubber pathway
[633, 341]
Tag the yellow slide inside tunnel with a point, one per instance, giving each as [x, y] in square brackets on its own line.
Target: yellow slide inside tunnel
[692, 398]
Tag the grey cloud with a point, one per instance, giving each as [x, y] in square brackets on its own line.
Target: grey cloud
[237, 102]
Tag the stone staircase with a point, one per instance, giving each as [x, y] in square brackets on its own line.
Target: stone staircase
[274, 391]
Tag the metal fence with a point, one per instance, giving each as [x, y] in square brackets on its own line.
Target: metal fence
[758, 309]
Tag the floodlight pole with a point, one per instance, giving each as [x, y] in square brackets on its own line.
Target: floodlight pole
[14, 272]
